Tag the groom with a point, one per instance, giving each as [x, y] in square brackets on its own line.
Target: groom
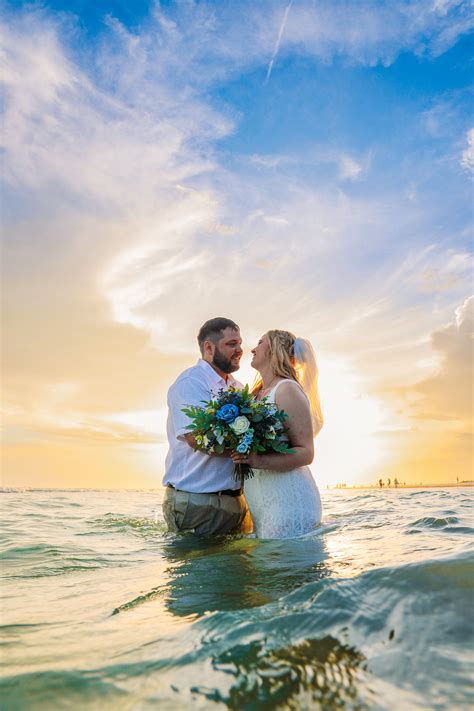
[201, 493]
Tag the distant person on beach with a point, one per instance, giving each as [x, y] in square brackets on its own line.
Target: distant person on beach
[202, 494]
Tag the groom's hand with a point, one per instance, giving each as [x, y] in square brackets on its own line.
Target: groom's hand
[191, 440]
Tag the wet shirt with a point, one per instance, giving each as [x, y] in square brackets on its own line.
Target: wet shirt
[186, 468]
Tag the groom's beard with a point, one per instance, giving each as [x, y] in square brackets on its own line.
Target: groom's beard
[223, 363]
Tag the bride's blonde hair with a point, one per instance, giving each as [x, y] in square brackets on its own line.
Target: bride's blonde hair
[293, 359]
[281, 348]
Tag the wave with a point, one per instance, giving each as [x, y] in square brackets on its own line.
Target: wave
[447, 524]
[47, 690]
[238, 623]
[43, 560]
[332, 643]
[121, 523]
[433, 522]
[349, 627]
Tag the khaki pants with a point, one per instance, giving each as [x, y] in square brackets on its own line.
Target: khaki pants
[205, 514]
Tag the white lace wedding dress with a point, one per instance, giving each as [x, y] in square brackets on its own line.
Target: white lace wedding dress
[283, 504]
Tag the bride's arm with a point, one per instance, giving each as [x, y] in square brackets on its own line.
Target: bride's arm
[294, 402]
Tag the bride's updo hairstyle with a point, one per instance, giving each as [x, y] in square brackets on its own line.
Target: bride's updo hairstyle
[293, 358]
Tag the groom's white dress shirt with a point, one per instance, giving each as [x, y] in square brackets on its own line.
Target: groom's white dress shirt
[185, 468]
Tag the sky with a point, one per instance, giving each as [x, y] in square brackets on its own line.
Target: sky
[304, 165]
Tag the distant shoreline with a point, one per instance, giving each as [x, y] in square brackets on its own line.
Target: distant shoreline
[359, 487]
[402, 486]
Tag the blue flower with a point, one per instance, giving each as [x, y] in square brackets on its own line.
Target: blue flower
[227, 413]
[248, 437]
[242, 448]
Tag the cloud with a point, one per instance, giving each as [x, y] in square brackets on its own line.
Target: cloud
[126, 228]
[448, 394]
[350, 169]
[134, 131]
[389, 317]
[267, 161]
[138, 190]
[86, 430]
[95, 172]
[439, 409]
[370, 32]
[467, 158]
[453, 272]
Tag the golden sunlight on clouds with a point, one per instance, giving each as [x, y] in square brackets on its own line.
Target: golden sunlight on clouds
[127, 230]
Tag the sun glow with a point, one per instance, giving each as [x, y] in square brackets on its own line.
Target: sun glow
[348, 448]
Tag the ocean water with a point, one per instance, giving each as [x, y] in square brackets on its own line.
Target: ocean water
[103, 609]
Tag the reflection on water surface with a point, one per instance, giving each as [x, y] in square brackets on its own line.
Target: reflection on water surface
[231, 574]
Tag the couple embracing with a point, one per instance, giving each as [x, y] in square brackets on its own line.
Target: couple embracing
[281, 500]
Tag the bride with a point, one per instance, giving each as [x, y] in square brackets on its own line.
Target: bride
[282, 496]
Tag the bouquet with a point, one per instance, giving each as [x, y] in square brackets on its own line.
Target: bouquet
[236, 421]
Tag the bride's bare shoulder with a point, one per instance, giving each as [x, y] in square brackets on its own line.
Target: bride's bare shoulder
[291, 398]
[289, 390]
[289, 385]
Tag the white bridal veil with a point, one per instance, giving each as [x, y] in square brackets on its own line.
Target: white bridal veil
[307, 369]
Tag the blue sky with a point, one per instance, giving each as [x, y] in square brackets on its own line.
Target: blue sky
[304, 165]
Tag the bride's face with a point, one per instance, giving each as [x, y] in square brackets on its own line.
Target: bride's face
[261, 353]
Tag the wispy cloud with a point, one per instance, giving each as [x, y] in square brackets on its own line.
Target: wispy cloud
[350, 169]
[467, 158]
[371, 32]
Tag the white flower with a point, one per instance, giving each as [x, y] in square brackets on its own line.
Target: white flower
[270, 433]
[240, 424]
[219, 435]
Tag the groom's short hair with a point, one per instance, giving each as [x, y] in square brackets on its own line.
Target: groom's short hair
[212, 330]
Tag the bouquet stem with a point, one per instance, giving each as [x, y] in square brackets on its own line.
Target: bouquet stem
[242, 472]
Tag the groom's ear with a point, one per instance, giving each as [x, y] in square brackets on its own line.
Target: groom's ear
[208, 349]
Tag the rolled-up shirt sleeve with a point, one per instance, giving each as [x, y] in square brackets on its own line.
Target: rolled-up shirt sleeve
[183, 394]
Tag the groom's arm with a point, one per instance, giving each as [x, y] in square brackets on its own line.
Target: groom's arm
[184, 394]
